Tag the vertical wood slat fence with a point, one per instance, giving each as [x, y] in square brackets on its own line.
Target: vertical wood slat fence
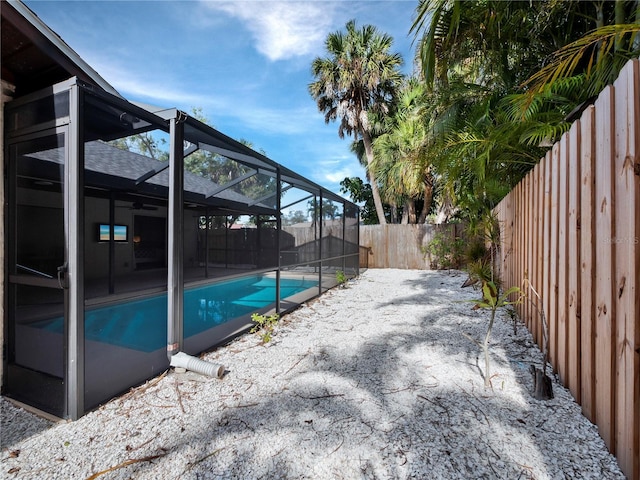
[401, 246]
[572, 227]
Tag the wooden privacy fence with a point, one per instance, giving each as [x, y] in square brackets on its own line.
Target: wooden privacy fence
[572, 227]
[401, 246]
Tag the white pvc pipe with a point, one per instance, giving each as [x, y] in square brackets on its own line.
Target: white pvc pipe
[183, 360]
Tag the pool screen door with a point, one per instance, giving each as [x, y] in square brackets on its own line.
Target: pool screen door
[36, 288]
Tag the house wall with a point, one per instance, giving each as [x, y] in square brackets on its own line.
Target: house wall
[97, 253]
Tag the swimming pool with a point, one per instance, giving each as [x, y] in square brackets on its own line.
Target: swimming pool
[142, 324]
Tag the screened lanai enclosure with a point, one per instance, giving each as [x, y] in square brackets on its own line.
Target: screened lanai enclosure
[137, 233]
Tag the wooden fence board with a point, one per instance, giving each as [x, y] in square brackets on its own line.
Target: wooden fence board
[529, 245]
[508, 243]
[505, 245]
[395, 245]
[553, 269]
[520, 254]
[563, 198]
[587, 263]
[625, 208]
[524, 261]
[546, 284]
[514, 248]
[634, 101]
[604, 234]
[522, 247]
[573, 226]
[533, 274]
[540, 241]
[514, 245]
[502, 211]
[401, 246]
[573, 267]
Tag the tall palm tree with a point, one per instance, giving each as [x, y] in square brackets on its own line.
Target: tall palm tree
[473, 53]
[476, 57]
[358, 77]
[493, 42]
[401, 162]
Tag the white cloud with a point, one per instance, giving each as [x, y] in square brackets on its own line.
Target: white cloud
[330, 172]
[132, 85]
[338, 176]
[282, 30]
[164, 93]
[280, 121]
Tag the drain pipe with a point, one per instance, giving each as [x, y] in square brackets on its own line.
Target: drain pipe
[183, 360]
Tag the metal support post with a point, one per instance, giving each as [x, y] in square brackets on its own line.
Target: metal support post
[175, 275]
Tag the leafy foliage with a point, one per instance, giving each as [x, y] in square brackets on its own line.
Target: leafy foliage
[504, 76]
[297, 216]
[144, 144]
[361, 192]
[330, 210]
[600, 54]
[445, 252]
[264, 325]
[401, 163]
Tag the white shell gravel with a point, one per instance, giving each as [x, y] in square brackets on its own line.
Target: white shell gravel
[376, 380]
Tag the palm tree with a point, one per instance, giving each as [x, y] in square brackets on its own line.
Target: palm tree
[493, 43]
[476, 57]
[599, 54]
[358, 77]
[401, 162]
[473, 53]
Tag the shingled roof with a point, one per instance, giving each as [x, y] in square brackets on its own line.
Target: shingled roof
[121, 169]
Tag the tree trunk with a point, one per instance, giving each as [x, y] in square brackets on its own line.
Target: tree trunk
[368, 149]
[428, 198]
[446, 209]
[394, 213]
[410, 211]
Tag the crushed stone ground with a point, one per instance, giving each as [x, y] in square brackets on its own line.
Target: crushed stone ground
[376, 380]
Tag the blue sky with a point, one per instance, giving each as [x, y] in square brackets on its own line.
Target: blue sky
[247, 64]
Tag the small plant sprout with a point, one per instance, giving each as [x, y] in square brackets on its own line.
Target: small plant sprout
[341, 278]
[492, 300]
[264, 325]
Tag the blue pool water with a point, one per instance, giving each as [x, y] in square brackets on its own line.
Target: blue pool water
[142, 324]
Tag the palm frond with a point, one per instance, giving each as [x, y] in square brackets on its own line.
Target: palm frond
[593, 53]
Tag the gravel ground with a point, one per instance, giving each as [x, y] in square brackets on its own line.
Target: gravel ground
[376, 380]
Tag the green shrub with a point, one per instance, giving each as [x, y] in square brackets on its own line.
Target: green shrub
[475, 250]
[444, 252]
[264, 325]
